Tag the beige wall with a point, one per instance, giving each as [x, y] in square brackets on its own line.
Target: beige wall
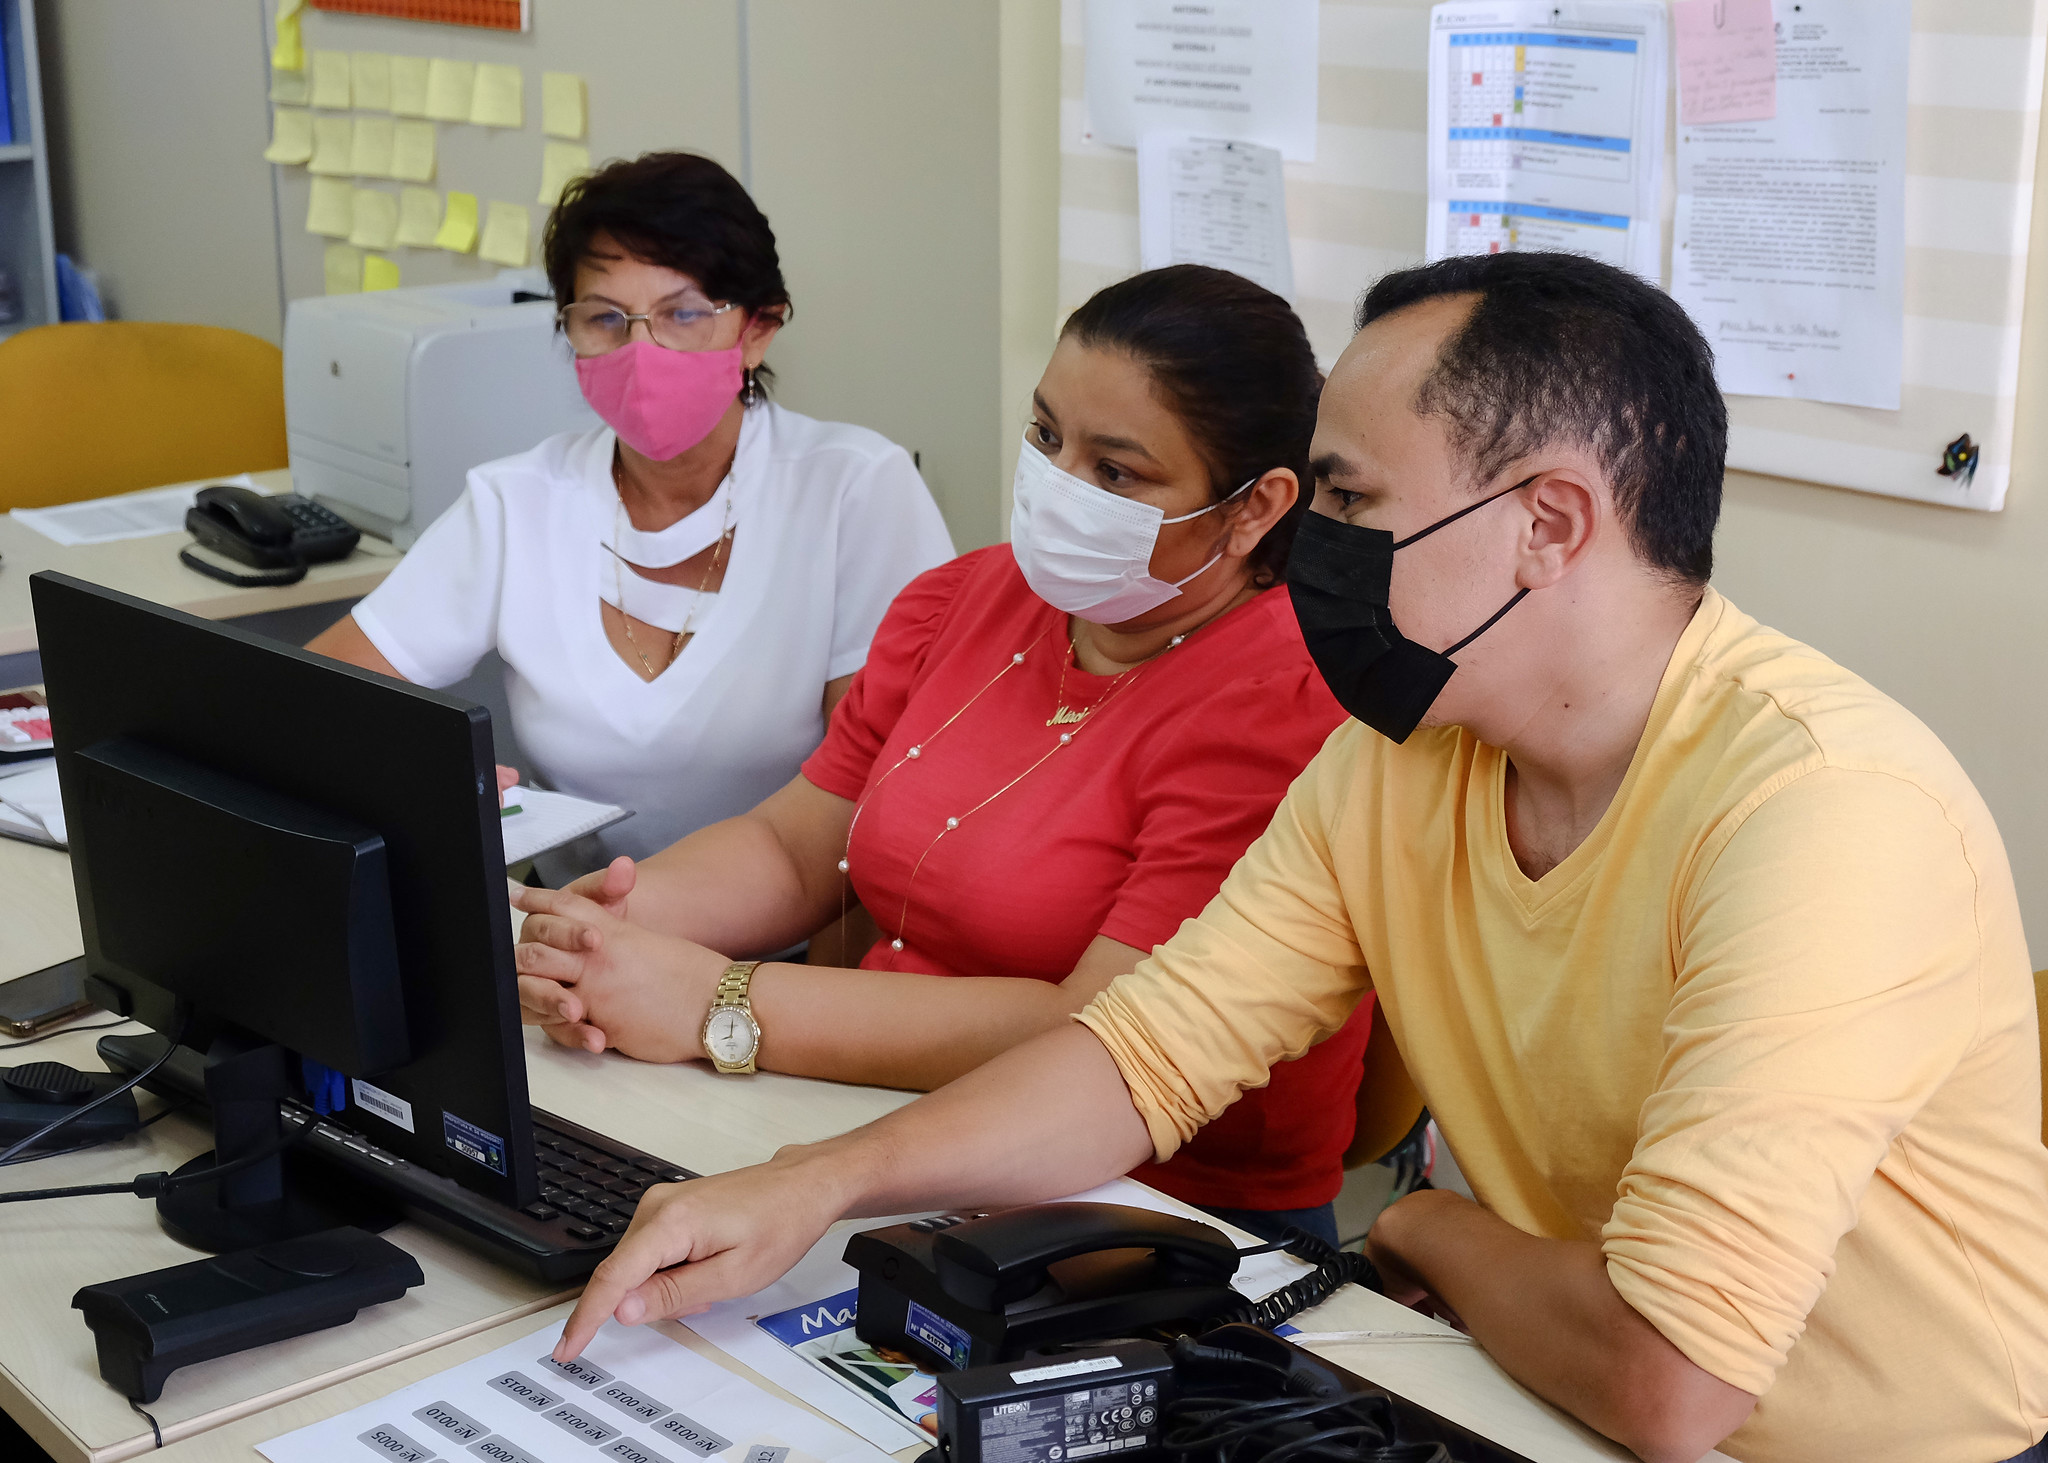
[877, 137]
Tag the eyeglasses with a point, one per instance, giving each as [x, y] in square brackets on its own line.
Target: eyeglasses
[595, 328]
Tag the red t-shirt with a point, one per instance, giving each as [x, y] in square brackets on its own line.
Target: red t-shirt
[1124, 832]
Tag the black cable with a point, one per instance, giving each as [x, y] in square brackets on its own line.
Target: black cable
[13, 1046]
[149, 1185]
[154, 1431]
[184, 1019]
[1348, 1428]
[1334, 1269]
[163, 1112]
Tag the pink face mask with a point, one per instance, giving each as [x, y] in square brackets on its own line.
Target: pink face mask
[661, 402]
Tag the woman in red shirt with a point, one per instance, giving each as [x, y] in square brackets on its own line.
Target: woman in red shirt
[1057, 749]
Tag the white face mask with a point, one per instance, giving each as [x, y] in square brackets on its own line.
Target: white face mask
[1085, 550]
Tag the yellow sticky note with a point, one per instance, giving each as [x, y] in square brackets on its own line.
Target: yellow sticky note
[291, 88]
[419, 217]
[500, 99]
[450, 85]
[334, 143]
[288, 52]
[344, 269]
[409, 85]
[504, 240]
[564, 109]
[369, 81]
[458, 228]
[559, 163]
[331, 210]
[291, 136]
[330, 80]
[375, 140]
[412, 154]
[379, 273]
[374, 222]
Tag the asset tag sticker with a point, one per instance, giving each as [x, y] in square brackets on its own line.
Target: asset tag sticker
[940, 1334]
[375, 1100]
[473, 1142]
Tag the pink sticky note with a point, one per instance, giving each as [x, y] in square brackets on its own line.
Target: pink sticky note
[1727, 60]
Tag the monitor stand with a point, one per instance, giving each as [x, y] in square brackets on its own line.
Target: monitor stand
[271, 1199]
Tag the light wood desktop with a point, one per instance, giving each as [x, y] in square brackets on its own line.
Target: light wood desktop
[50, 1383]
[149, 569]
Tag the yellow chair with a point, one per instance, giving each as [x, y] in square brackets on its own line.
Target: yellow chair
[2041, 1015]
[92, 409]
[1388, 1102]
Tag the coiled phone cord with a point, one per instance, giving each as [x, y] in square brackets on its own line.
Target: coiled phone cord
[1334, 1269]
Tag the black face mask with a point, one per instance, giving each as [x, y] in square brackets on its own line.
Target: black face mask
[1338, 576]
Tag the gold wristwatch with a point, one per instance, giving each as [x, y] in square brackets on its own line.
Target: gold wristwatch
[732, 1037]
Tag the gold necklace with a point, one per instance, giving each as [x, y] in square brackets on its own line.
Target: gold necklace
[1124, 680]
[619, 581]
[1062, 715]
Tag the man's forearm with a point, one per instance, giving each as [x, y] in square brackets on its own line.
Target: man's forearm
[1546, 1311]
[1049, 1117]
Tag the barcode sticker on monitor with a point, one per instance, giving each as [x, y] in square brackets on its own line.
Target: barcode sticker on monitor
[394, 1110]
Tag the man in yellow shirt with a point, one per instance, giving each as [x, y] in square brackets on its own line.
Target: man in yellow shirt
[1704, 953]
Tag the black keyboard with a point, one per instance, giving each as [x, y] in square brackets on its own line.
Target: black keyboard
[590, 1184]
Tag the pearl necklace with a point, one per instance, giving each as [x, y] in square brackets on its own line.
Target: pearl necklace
[1080, 722]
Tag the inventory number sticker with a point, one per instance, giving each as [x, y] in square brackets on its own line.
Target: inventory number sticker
[940, 1334]
[473, 1142]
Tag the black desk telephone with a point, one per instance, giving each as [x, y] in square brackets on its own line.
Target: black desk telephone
[959, 1291]
[278, 536]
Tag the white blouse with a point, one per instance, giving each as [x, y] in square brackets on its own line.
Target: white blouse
[830, 521]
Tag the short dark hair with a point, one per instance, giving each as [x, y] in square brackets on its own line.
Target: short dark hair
[1232, 361]
[676, 209]
[1562, 348]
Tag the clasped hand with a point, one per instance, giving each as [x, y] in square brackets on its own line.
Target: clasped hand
[591, 979]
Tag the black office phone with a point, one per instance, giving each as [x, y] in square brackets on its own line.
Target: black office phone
[960, 1291]
[279, 534]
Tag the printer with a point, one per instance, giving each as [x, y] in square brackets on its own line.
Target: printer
[391, 397]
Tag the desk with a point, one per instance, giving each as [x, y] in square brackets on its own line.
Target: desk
[220, 1410]
[148, 568]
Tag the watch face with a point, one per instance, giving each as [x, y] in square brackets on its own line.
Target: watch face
[730, 1035]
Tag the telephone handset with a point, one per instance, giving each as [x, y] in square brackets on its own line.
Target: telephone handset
[278, 535]
[959, 1291]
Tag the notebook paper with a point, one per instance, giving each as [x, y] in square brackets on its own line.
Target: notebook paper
[548, 820]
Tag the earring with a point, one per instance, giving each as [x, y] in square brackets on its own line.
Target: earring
[750, 392]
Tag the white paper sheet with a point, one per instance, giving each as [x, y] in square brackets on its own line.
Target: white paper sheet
[644, 1397]
[31, 807]
[1546, 129]
[548, 820]
[129, 515]
[1207, 200]
[821, 1282]
[1242, 69]
[1789, 242]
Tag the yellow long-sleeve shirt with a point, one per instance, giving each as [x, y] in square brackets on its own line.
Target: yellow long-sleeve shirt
[1768, 1035]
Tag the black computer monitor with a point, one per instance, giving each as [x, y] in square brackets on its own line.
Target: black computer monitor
[280, 857]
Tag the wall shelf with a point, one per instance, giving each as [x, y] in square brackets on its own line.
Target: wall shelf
[27, 249]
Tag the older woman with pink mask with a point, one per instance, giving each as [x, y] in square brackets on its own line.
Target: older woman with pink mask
[682, 595]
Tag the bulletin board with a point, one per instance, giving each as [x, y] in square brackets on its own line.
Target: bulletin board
[1359, 210]
[630, 103]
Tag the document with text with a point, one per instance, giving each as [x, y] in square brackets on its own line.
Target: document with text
[1546, 129]
[1203, 200]
[1789, 240]
[1241, 69]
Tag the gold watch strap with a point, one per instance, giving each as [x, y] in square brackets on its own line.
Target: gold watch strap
[732, 986]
